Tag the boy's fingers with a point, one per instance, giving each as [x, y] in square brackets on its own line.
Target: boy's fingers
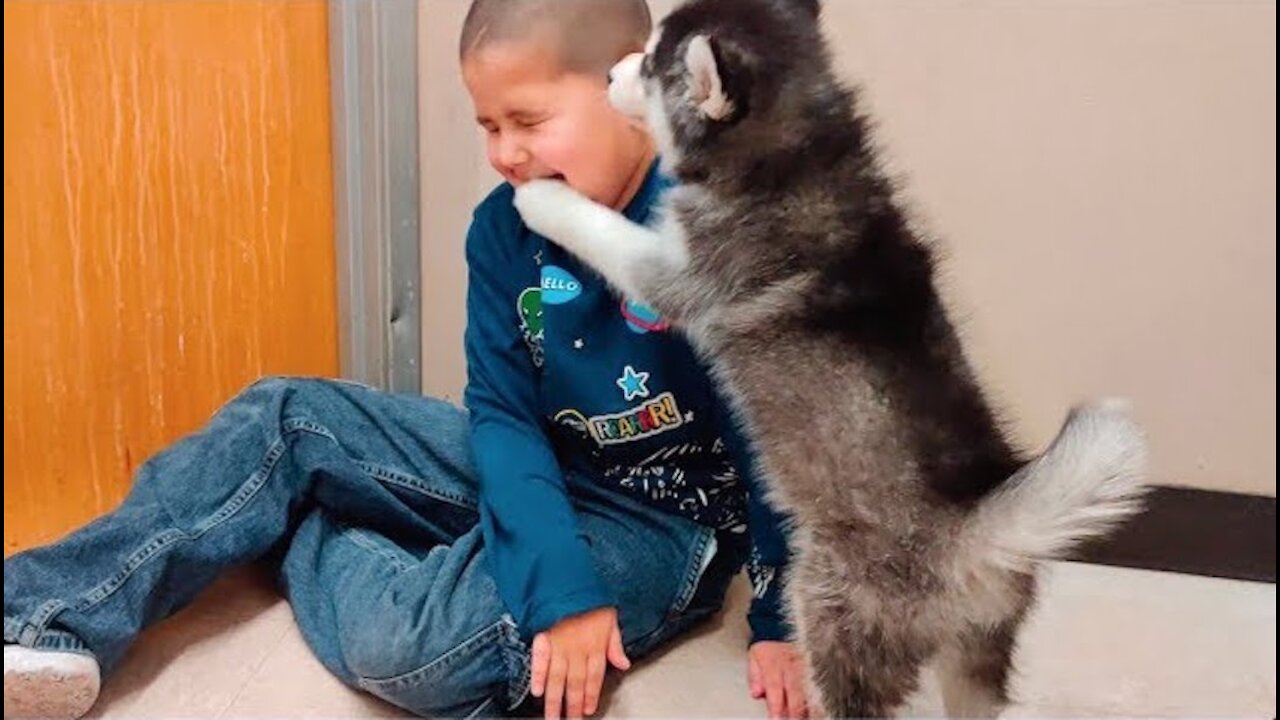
[541, 661]
[617, 654]
[753, 679]
[575, 688]
[796, 706]
[595, 679]
[775, 692]
[555, 687]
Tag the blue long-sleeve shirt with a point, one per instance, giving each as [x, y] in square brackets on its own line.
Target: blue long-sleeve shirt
[564, 375]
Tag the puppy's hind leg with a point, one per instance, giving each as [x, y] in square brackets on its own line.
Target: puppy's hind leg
[868, 673]
[974, 671]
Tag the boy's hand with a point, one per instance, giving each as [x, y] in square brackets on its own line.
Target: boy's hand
[776, 673]
[569, 661]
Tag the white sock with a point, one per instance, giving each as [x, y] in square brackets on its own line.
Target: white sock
[48, 683]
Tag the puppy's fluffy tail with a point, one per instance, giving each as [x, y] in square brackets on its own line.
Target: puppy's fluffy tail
[1087, 483]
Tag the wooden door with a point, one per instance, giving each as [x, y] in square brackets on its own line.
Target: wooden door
[168, 232]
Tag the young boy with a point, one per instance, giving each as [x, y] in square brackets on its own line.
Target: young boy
[587, 508]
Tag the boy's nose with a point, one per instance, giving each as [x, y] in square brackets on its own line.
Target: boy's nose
[512, 155]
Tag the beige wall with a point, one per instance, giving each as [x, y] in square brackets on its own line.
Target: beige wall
[1102, 176]
[455, 176]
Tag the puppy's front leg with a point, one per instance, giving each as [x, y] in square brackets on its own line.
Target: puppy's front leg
[635, 259]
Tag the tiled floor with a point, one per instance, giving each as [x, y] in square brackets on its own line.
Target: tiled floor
[1104, 642]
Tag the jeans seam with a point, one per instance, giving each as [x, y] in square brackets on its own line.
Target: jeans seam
[519, 668]
[693, 573]
[488, 703]
[39, 620]
[360, 538]
[229, 509]
[453, 654]
[697, 567]
[26, 634]
[415, 484]
[511, 649]
[478, 638]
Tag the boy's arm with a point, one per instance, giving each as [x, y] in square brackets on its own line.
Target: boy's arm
[540, 562]
[766, 568]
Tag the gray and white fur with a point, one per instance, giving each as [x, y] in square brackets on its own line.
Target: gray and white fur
[783, 254]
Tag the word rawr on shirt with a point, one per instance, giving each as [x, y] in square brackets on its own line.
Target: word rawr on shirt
[644, 420]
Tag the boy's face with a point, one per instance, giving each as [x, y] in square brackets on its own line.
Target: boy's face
[543, 122]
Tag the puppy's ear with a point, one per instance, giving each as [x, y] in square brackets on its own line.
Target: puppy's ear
[716, 85]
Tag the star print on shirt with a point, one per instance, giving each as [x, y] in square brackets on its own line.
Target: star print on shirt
[632, 384]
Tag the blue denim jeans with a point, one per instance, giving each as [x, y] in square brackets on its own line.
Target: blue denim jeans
[367, 502]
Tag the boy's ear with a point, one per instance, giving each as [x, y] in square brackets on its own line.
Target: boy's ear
[711, 80]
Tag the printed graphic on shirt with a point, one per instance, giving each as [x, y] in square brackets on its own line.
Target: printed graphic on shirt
[529, 307]
[645, 420]
[573, 419]
[559, 286]
[642, 319]
[715, 499]
[632, 384]
[761, 575]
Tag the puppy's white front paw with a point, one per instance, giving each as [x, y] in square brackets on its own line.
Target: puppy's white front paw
[545, 206]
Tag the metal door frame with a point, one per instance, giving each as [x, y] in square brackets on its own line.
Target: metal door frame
[373, 56]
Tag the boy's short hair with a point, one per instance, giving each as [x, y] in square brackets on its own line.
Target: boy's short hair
[588, 36]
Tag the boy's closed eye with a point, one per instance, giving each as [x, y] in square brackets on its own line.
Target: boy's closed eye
[523, 121]
[529, 119]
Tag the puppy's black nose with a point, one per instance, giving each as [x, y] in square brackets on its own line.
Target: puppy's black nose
[609, 77]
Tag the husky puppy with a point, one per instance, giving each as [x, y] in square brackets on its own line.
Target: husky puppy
[782, 254]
